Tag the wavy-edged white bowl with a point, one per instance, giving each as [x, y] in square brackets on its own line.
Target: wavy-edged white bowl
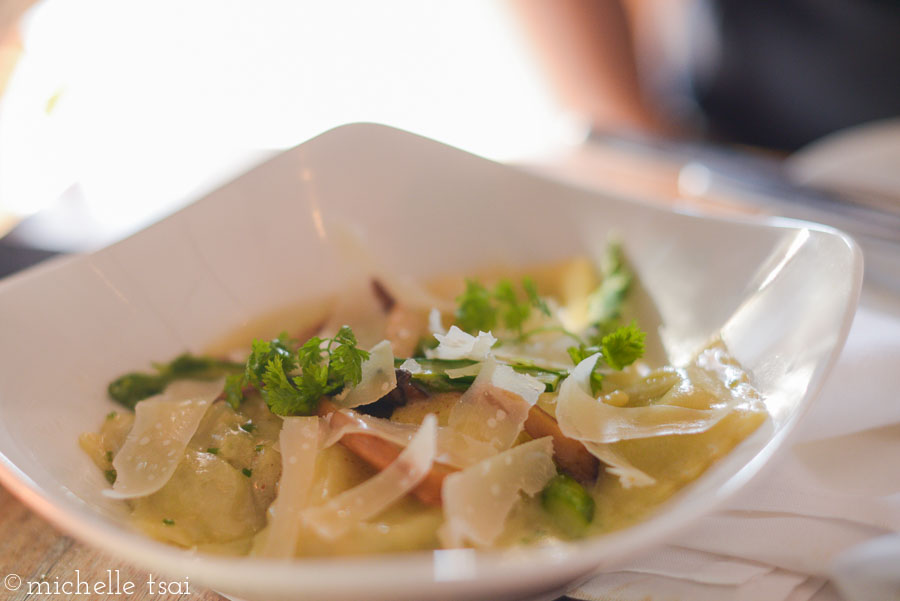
[781, 293]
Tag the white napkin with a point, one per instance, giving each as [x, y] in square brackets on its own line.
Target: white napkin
[871, 571]
[833, 493]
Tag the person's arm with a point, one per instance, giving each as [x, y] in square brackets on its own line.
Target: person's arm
[585, 47]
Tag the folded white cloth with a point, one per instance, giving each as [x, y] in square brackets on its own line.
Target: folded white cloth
[871, 571]
[621, 586]
[831, 497]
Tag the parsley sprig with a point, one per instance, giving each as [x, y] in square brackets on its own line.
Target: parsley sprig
[480, 309]
[293, 381]
[618, 349]
[606, 302]
[619, 345]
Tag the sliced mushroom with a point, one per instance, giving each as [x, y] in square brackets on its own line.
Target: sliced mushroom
[570, 455]
[380, 453]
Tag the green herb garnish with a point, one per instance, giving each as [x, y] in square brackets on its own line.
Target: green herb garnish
[535, 300]
[325, 365]
[110, 476]
[619, 345]
[606, 302]
[481, 309]
[512, 313]
[168, 522]
[579, 354]
[109, 456]
[111, 415]
[618, 349]
[213, 450]
[623, 346]
[137, 386]
[476, 311]
[247, 472]
[248, 427]
[263, 352]
[433, 374]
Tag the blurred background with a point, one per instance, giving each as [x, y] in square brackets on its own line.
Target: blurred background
[131, 109]
[116, 113]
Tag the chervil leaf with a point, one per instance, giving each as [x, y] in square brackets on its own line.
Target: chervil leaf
[311, 354]
[481, 310]
[293, 382]
[601, 329]
[579, 354]
[475, 312]
[535, 300]
[314, 382]
[623, 346]
[605, 303]
[618, 349]
[512, 312]
[346, 359]
[262, 353]
[281, 394]
[345, 337]
[286, 341]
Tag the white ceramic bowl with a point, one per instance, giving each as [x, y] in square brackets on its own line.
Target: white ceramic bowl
[782, 294]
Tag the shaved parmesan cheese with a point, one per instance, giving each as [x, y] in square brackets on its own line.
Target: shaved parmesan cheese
[435, 325]
[339, 514]
[618, 466]
[585, 418]
[378, 378]
[163, 426]
[299, 447]
[462, 372]
[412, 366]
[545, 349]
[495, 407]
[550, 356]
[522, 385]
[453, 447]
[478, 499]
[457, 344]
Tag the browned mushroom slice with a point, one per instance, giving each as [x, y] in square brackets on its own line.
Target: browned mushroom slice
[570, 455]
[380, 453]
[384, 296]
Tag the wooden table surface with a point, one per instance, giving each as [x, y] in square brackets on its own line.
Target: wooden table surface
[32, 550]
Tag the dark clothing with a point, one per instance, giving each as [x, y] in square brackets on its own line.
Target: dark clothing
[786, 72]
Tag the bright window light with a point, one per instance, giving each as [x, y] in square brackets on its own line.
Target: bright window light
[140, 106]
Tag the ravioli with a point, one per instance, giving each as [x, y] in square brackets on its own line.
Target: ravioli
[533, 418]
[162, 428]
